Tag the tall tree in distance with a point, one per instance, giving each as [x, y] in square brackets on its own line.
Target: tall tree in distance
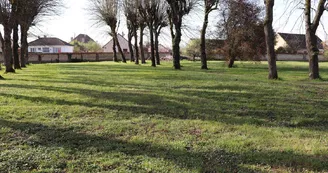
[270, 39]
[209, 6]
[311, 39]
[107, 11]
[177, 9]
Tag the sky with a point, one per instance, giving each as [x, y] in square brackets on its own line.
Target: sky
[75, 19]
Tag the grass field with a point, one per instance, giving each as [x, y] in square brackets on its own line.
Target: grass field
[102, 117]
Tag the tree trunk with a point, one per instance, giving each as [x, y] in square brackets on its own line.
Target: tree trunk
[136, 45]
[311, 39]
[7, 52]
[152, 51]
[231, 61]
[176, 46]
[158, 59]
[119, 48]
[203, 42]
[142, 51]
[130, 46]
[269, 38]
[114, 49]
[15, 47]
[313, 52]
[24, 46]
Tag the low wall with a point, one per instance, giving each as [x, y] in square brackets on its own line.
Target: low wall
[77, 57]
[284, 57]
[85, 57]
[297, 57]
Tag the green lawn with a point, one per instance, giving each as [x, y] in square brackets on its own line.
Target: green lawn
[102, 117]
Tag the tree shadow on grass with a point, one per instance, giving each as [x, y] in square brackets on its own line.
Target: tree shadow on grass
[226, 107]
[216, 160]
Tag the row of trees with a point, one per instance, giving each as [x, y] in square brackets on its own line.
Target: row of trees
[23, 14]
[239, 32]
[157, 14]
[139, 14]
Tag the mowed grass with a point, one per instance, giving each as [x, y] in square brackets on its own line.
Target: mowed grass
[103, 117]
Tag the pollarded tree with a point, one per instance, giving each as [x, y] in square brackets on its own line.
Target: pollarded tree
[160, 21]
[131, 14]
[270, 39]
[177, 9]
[106, 11]
[7, 20]
[29, 13]
[209, 6]
[311, 39]
[147, 9]
[142, 25]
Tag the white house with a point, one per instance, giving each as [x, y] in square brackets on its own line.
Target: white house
[50, 45]
[123, 43]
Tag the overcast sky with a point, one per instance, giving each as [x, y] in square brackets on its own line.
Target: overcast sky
[75, 19]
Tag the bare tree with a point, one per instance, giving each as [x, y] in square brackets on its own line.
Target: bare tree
[176, 11]
[29, 13]
[209, 6]
[160, 21]
[16, 46]
[128, 11]
[107, 11]
[131, 14]
[130, 36]
[142, 26]
[147, 9]
[270, 39]
[311, 39]
[7, 19]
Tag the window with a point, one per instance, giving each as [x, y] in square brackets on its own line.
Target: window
[45, 50]
[39, 48]
[32, 49]
[56, 50]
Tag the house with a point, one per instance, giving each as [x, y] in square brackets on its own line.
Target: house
[123, 43]
[50, 45]
[83, 38]
[294, 43]
[161, 49]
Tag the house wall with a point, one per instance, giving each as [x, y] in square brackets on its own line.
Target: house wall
[123, 43]
[63, 49]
